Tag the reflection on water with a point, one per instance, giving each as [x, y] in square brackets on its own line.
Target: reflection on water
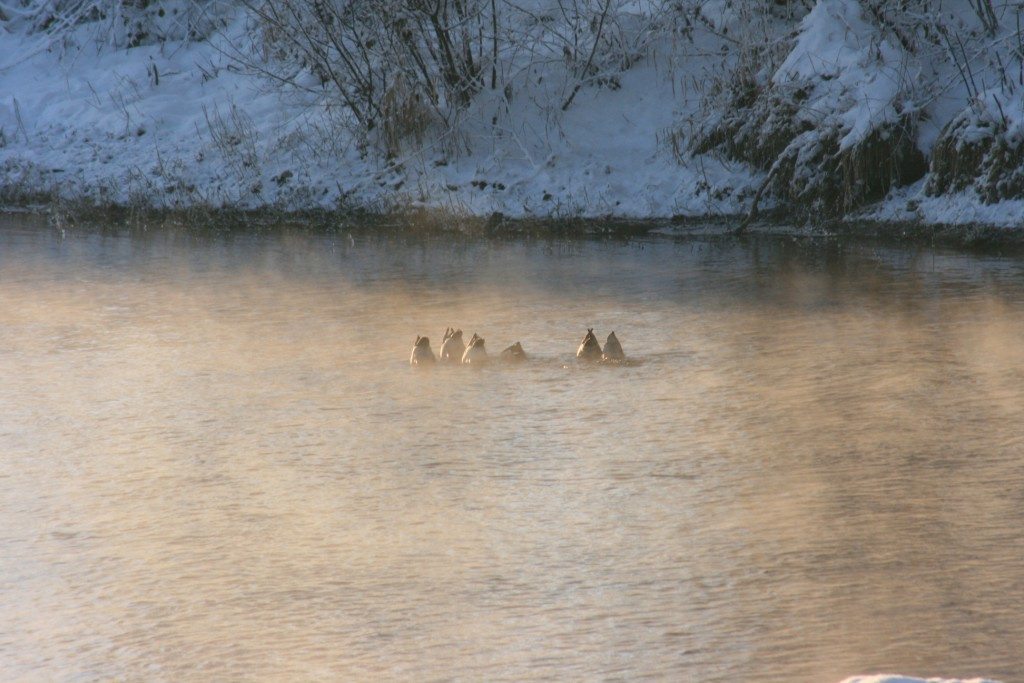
[218, 465]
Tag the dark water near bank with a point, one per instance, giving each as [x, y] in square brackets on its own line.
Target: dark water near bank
[216, 463]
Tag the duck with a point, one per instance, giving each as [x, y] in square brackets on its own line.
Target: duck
[422, 354]
[452, 346]
[475, 353]
[514, 353]
[612, 349]
[590, 348]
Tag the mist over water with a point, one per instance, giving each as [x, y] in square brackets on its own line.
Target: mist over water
[217, 464]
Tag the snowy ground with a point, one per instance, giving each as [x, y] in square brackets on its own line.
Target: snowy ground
[177, 125]
[911, 204]
[889, 678]
[103, 126]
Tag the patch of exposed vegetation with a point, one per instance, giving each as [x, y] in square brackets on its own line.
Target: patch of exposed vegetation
[973, 152]
[23, 183]
[807, 166]
[801, 116]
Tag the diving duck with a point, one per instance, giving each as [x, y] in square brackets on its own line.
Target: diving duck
[590, 348]
[514, 353]
[452, 346]
[422, 353]
[475, 353]
[612, 349]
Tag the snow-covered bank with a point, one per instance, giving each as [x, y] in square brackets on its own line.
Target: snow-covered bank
[176, 124]
[185, 121]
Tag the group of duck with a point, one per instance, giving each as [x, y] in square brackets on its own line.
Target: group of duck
[455, 350]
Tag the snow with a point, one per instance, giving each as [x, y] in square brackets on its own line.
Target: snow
[913, 205]
[178, 123]
[998, 109]
[889, 678]
[124, 126]
[841, 54]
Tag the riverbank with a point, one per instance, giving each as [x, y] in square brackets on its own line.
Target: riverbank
[185, 121]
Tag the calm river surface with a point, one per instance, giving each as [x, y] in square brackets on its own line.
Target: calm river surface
[216, 463]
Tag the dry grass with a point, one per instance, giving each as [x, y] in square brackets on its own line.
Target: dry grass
[806, 166]
[989, 163]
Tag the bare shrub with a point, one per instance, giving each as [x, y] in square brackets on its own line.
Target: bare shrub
[603, 39]
[379, 58]
[409, 72]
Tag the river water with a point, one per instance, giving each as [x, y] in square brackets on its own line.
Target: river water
[216, 463]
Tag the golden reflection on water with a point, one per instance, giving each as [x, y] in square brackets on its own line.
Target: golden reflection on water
[217, 464]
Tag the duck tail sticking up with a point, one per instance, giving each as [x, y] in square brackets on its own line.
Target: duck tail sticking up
[612, 349]
[590, 348]
[422, 354]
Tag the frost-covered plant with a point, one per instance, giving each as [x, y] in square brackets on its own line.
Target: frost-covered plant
[24, 182]
[403, 68]
[833, 124]
[982, 148]
[752, 41]
[235, 137]
[391, 64]
[604, 38]
[115, 23]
